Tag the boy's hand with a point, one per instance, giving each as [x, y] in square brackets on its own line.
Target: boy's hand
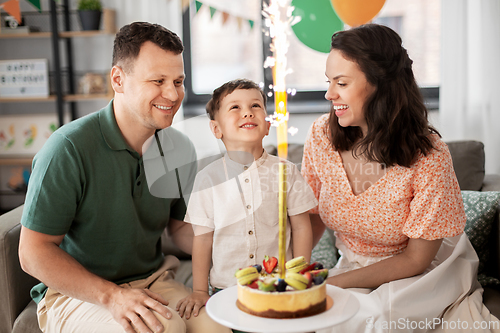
[192, 304]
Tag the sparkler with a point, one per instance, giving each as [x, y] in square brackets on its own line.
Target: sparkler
[278, 18]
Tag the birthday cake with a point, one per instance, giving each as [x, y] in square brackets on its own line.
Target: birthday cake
[301, 294]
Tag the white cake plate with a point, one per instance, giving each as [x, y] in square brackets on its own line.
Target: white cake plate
[222, 308]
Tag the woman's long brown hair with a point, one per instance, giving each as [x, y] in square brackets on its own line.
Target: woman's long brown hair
[398, 129]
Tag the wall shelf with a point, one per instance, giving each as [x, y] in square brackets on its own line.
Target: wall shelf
[27, 99]
[63, 34]
[64, 88]
[29, 35]
[59, 28]
[15, 160]
[53, 98]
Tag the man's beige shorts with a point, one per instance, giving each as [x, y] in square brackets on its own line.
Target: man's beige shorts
[59, 313]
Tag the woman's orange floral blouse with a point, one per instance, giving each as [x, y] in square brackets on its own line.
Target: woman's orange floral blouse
[423, 201]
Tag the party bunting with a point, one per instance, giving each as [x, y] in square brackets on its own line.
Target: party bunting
[37, 5]
[225, 15]
[13, 9]
[198, 6]
[212, 11]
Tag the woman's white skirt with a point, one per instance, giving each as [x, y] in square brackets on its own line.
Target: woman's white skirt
[445, 298]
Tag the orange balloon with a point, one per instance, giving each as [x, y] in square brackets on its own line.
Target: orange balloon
[357, 12]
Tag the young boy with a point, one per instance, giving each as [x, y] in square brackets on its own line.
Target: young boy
[234, 204]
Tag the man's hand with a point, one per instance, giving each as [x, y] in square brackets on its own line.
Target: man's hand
[41, 257]
[133, 309]
[192, 304]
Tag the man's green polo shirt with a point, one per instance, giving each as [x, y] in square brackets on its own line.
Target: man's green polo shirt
[89, 185]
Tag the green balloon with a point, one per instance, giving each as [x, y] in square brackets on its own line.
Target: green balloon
[319, 22]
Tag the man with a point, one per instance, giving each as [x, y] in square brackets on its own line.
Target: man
[91, 228]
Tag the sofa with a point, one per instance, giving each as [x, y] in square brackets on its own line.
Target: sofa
[18, 311]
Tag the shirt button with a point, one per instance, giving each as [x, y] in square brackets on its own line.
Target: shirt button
[248, 206]
[245, 168]
[251, 256]
[247, 180]
[250, 232]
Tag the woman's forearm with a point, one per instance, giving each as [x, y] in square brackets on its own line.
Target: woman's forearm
[413, 261]
[318, 228]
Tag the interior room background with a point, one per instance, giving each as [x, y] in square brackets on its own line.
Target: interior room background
[455, 45]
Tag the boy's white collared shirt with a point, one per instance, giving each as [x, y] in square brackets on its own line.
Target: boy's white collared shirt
[240, 203]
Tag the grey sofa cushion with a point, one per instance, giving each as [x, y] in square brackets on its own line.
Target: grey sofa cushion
[468, 162]
[27, 321]
[13, 281]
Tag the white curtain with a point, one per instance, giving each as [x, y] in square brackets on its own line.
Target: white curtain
[469, 107]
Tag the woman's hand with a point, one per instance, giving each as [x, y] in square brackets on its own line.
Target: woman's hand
[192, 304]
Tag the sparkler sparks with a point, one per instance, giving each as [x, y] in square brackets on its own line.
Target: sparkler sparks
[279, 29]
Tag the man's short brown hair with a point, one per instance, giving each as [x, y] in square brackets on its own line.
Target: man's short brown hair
[129, 39]
[227, 88]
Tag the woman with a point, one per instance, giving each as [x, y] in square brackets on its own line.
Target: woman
[386, 186]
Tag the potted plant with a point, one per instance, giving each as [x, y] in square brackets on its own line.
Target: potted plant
[89, 12]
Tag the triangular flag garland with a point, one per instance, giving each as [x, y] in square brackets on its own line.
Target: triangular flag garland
[13, 9]
[225, 15]
[36, 3]
[198, 5]
[239, 20]
[212, 11]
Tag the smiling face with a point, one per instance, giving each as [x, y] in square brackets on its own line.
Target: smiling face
[348, 90]
[150, 92]
[241, 121]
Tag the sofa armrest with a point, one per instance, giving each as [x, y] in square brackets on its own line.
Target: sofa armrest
[491, 183]
[15, 284]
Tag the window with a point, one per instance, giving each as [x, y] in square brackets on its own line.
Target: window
[226, 43]
[224, 40]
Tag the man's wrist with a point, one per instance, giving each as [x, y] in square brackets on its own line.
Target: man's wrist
[106, 297]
